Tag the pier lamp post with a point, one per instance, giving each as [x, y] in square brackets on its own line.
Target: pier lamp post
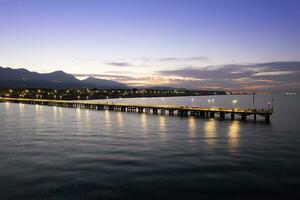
[269, 105]
[212, 102]
[78, 97]
[60, 97]
[37, 96]
[54, 96]
[87, 97]
[234, 101]
[192, 101]
[209, 101]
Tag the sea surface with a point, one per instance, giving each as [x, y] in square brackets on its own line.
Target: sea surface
[68, 153]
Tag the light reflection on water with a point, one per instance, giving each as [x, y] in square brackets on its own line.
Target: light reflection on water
[162, 127]
[144, 124]
[192, 127]
[233, 134]
[107, 120]
[120, 119]
[210, 131]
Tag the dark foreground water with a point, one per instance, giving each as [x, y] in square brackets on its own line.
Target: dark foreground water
[62, 153]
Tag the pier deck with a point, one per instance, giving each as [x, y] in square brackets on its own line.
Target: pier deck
[182, 111]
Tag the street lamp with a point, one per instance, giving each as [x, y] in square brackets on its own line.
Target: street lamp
[269, 105]
[234, 101]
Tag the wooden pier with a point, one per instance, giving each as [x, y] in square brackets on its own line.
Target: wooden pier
[182, 111]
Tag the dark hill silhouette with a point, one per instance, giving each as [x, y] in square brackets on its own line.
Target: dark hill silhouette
[104, 84]
[22, 78]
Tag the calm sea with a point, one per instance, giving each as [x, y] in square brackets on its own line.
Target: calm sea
[64, 153]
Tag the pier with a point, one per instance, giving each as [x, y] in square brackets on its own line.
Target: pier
[181, 111]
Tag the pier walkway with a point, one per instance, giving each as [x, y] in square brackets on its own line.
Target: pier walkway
[182, 111]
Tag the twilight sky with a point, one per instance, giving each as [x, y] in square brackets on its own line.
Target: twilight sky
[200, 44]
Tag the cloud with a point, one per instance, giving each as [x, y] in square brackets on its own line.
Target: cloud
[119, 64]
[273, 73]
[271, 76]
[252, 76]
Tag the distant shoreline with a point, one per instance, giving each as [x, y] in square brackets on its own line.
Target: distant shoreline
[94, 94]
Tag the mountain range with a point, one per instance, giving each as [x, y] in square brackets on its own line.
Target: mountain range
[22, 78]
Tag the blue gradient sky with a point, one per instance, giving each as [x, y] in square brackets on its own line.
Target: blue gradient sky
[140, 39]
